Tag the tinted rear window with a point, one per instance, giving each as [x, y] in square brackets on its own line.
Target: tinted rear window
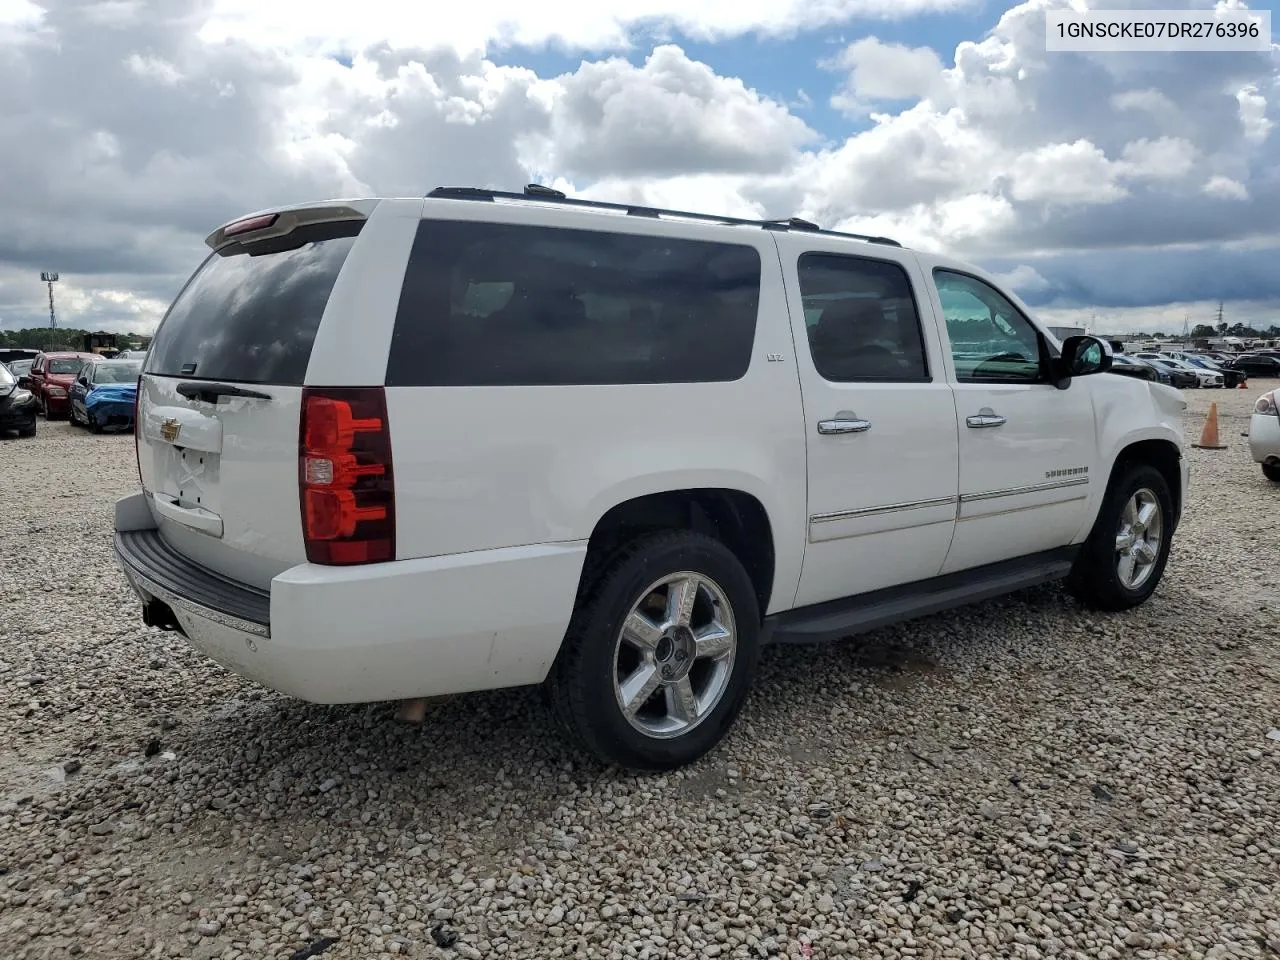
[250, 313]
[503, 304]
[70, 365]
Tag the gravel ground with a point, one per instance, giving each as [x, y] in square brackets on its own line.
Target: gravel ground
[1019, 779]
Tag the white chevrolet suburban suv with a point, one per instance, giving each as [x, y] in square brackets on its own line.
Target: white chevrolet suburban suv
[392, 449]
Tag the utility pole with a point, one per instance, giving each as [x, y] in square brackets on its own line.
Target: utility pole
[51, 277]
[1218, 322]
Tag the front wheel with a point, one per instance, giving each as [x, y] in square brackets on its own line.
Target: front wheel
[1125, 556]
[1272, 471]
[658, 658]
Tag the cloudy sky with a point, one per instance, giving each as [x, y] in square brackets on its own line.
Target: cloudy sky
[1136, 187]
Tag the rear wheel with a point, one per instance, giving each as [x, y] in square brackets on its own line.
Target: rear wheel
[27, 431]
[1272, 471]
[660, 653]
[1125, 556]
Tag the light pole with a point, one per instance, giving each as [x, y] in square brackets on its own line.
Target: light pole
[51, 277]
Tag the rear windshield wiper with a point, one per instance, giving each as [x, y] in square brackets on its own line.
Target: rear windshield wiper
[210, 392]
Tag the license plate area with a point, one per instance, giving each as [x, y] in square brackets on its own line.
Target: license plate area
[189, 477]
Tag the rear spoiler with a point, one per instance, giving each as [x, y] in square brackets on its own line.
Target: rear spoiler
[264, 226]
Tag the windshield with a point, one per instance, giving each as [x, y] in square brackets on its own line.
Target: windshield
[65, 365]
[19, 368]
[116, 373]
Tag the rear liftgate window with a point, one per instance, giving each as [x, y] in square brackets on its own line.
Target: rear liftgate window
[251, 311]
[488, 304]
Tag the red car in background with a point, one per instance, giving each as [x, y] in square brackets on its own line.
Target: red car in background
[50, 379]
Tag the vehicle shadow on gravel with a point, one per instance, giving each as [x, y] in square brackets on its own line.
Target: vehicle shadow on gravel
[466, 746]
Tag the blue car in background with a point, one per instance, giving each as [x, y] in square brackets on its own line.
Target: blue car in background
[104, 392]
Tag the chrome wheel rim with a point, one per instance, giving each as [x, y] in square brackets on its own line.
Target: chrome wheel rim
[1138, 539]
[674, 655]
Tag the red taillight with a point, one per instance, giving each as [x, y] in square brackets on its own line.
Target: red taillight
[249, 224]
[346, 485]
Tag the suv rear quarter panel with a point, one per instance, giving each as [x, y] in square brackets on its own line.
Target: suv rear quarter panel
[351, 346]
[486, 467]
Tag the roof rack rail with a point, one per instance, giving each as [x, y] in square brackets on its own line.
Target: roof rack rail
[539, 193]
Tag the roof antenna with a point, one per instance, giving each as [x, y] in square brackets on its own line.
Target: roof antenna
[538, 190]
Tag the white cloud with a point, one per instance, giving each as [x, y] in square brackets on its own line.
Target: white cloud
[1066, 173]
[1024, 280]
[1149, 100]
[339, 25]
[885, 71]
[1225, 188]
[1168, 158]
[1253, 114]
[19, 13]
[155, 68]
[670, 116]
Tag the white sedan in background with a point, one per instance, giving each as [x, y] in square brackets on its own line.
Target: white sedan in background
[1264, 434]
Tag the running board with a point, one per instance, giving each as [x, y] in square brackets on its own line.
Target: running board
[881, 608]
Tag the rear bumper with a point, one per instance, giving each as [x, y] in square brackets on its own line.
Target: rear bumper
[57, 404]
[1264, 437]
[389, 631]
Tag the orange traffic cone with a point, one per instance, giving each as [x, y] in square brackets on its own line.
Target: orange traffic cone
[1244, 385]
[1209, 435]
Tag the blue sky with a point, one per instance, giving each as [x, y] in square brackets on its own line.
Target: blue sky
[781, 67]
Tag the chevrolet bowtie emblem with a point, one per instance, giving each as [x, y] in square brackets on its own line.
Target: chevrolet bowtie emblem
[169, 429]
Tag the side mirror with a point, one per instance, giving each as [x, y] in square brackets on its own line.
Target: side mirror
[1082, 356]
[84, 381]
[24, 382]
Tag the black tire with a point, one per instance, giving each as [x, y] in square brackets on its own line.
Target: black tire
[1271, 471]
[580, 686]
[27, 431]
[71, 415]
[1095, 579]
[94, 425]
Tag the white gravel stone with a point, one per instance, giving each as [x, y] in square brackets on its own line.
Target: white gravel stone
[1020, 779]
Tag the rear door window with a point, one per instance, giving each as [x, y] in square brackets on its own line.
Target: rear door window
[488, 304]
[250, 313]
[861, 319]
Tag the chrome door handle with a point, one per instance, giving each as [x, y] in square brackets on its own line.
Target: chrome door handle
[828, 427]
[986, 417]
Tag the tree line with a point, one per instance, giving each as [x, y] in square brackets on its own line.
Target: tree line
[1203, 331]
[61, 338]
